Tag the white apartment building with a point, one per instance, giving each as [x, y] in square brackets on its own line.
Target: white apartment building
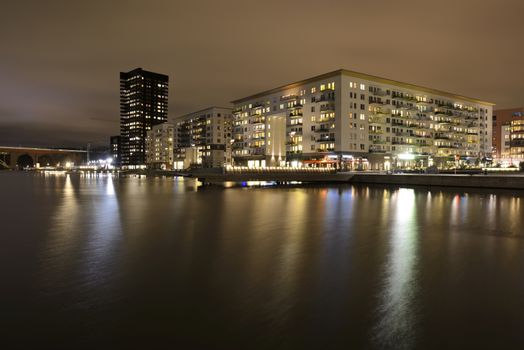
[355, 120]
[159, 146]
[203, 138]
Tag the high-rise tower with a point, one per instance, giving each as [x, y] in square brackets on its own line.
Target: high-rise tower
[143, 104]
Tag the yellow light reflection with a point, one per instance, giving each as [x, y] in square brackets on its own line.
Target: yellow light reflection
[396, 309]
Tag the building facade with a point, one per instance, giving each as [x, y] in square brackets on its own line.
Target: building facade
[354, 120]
[159, 146]
[203, 138]
[503, 117]
[504, 151]
[143, 104]
[517, 140]
[115, 146]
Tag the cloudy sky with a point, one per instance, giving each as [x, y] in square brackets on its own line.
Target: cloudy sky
[60, 60]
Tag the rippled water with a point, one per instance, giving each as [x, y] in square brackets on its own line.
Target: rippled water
[93, 261]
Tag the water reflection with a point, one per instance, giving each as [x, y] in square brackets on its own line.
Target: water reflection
[104, 233]
[280, 267]
[397, 309]
[62, 233]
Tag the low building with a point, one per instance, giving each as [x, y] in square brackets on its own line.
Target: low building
[159, 146]
[356, 121]
[203, 138]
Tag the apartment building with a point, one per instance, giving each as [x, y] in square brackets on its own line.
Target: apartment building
[143, 104]
[354, 120]
[203, 138]
[517, 139]
[502, 118]
[159, 146]
[504, 151]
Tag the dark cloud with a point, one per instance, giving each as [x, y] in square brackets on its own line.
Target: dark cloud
[60, 59]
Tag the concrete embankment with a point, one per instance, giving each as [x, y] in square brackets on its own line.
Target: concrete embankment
[476, 181]
[443, 180]
[277, 177]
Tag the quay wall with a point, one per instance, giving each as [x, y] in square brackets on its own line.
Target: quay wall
[477, 181]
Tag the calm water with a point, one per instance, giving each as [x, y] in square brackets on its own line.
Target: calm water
[100, 261]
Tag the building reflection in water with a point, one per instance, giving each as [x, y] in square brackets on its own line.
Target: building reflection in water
[397, 310]
[86, 227]
[61, 235]
[105, 231]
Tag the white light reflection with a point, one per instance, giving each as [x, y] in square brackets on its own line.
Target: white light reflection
[104, 233]
[397, 314]
[62, 237]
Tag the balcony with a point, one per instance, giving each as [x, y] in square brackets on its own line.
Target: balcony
[327, 108]
[326, 139]
[324, 120]
[375, 103]
[296, 114]
[288, 97]
[377, 120]
[323, 130]
[323, 98]
[295, 124]
[378, 142]
[405, 98]
[379, 92]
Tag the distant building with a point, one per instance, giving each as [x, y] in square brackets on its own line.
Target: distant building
[500, 118]
[517, 139]
[354, 120]
[114, 149]
[159, 146]
[203, 138]
[505, 144]
[143, 104]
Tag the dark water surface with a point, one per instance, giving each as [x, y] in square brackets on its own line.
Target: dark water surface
[102, 262]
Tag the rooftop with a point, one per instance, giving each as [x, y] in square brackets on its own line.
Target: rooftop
[180, 117]
[366, 77]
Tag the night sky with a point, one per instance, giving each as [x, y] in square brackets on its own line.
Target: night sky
[60, 60]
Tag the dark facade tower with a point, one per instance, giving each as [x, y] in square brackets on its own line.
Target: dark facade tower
[143, 104]
[115, 149]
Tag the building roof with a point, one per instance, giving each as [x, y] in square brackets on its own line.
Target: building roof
[366, 77]
[180, 117]
[145, 73]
